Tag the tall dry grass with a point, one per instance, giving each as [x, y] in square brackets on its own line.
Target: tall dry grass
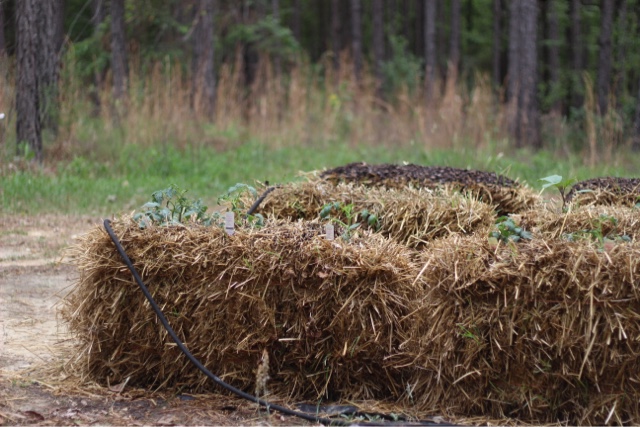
[307, 104]
[301, 106]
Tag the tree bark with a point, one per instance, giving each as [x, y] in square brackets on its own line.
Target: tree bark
[605, 55]
[621, 72]
[430, 51]
[378, 45]
[296, 19]
[454, 47]
[356, 27]
[28, 125]
[49, 48]
[119, 66]
[3, 43]
[496, 53]
[523, 114]
[553, 52]
[335, 33]
[204, 80]
[277, 64]
[635, 145]
[577, 54]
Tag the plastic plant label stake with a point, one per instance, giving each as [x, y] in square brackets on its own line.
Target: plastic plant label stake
[229, 223]
[330, 231]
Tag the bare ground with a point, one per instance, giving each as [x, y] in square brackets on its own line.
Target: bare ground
[34, 389]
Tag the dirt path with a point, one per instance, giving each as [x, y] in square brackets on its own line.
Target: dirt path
[32, 281]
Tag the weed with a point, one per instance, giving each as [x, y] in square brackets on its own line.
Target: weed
[468, 333]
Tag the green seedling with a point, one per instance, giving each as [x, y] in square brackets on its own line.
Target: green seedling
[597, 233]
[353, 220]
[562, 185]
[171, 207]
[508, 231]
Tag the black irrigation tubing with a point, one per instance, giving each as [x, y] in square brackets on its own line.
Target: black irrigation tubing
[214, 378]
[260, 199]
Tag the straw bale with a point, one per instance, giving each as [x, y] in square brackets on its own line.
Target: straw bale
[544, 331]
[331, 315]
[505, 194]
[611, 221]
[409, 216]
[606, 191]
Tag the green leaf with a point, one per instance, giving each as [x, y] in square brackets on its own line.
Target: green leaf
[326, 210]
[551, 180]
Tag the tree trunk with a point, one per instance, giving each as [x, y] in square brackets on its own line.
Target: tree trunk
[577, 54]
[98, 15]
[28, 125]
[277, 67]
[496, 53]
[553, 52]
[430, 51]
[3, 43]
[523, 115]
[296, 19]
[605, 55]
[50, 43]
[335, 33]
[119, 67]
[356, 27]
[454, 48]
[378, 45]
[636, 124]
[622, 48]
[204, 81]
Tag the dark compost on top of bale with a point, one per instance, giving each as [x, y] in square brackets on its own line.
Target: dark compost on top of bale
[544, 331]
[331, 315]
[506, 195]
[606, 191]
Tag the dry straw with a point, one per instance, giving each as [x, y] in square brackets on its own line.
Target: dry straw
[409, 216]
[331, 315]
[582, 222]
[545, 331]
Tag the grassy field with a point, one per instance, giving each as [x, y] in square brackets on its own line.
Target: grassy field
[126, 180]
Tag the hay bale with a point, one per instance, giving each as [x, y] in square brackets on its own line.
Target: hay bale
[331, 315]
[606, 191]
[582, 222]
[505, 194]
[409, 216]
[545, 331]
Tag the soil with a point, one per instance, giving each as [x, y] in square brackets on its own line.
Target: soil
[425, 176]
[614, 185]
[34, 387]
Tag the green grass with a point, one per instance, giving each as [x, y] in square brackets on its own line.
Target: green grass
[126, 180]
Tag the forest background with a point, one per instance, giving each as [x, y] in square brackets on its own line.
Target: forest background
[106, 101]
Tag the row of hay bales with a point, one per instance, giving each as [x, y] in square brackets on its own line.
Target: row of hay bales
[425, 311]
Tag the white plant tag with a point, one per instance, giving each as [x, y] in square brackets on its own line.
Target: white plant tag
[229, 223]
[330, 231]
